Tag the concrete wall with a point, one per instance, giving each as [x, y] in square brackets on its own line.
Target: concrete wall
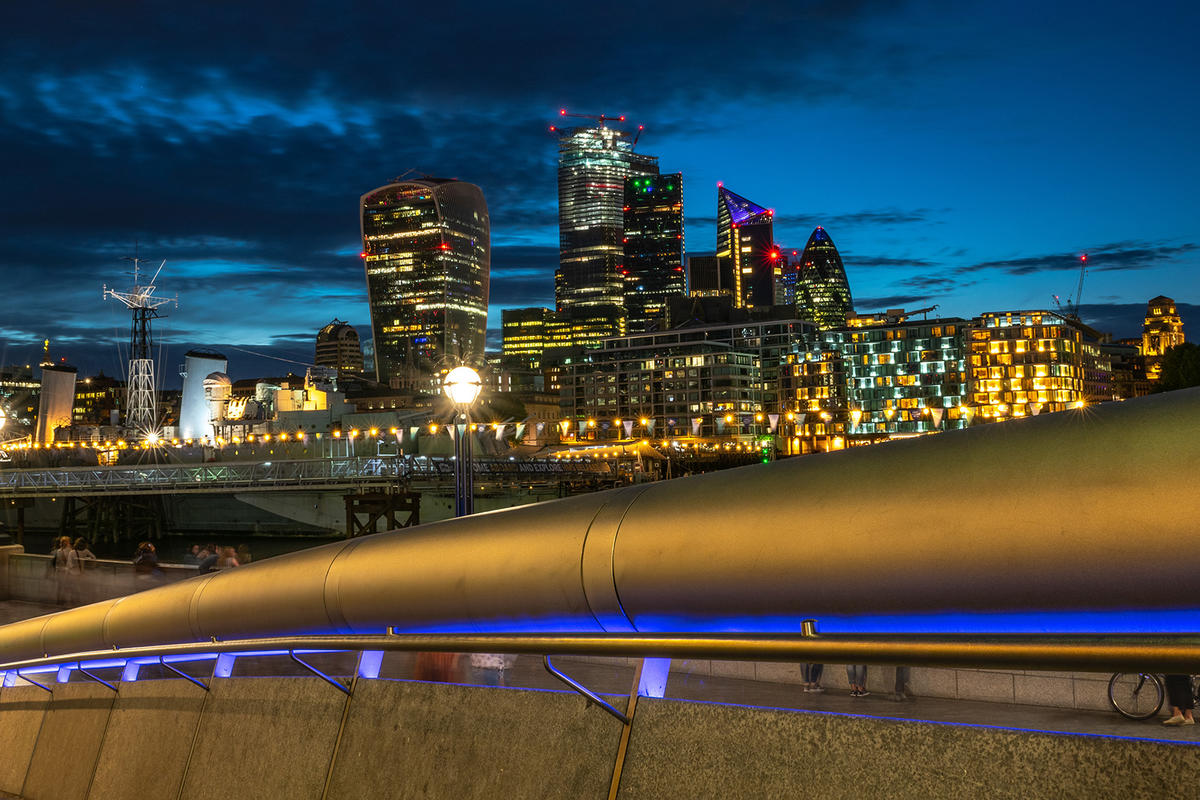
[302, 738]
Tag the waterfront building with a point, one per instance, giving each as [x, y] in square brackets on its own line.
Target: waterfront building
[1162, 329]
[593, 163]
[823, 292]
[746, 235]
[1128, 368]
[426, 248]
[855, 385]
[1029, 362]
[524, 333]
[652, 270]
[338, 348]
[18, 399]
[700, 381]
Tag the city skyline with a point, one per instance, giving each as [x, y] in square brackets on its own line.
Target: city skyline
[963, 157]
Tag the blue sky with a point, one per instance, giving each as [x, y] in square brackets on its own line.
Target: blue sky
[962, 154]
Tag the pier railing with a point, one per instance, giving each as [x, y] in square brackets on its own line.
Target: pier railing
[335, 473]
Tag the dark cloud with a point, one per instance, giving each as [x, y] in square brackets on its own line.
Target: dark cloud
[854, 261]
[1127, 255]
[879, 217]
[889, 301]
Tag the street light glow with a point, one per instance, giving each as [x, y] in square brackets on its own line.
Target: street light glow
[462, 385]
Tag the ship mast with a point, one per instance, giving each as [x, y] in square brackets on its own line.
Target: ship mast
[141, 407]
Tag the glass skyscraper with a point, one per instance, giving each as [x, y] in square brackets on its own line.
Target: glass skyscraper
[746, 234]
[593, 164]
[653, 264]
[427, 251]
[823, 294]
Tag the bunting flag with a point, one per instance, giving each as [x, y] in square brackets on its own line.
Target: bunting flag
[800, 419]
[696, 423]
[450, 430]
[521, 430]
[566, 427]
[967, 413]
[936, 413]
[774, 420]
[582, 426]
[1035, 408]
[628, 426]
[500, 431]
[413, 430]
[650, 426]
[720, 425]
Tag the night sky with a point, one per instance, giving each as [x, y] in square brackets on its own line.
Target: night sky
[962, 154]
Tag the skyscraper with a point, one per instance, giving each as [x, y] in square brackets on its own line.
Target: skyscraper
[823, 293]
[746, 233]
[653, 263]
[593, 164]
[427, 251]
[525, 336]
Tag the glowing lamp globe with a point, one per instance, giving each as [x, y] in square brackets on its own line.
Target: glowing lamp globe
[462, 385]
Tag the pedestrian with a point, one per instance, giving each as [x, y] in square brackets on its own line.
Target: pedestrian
[227, 559]
[439, 667]
[487, 669]
[903, 687]
[243, 554]
[857, 675]
[193, 556]
[82, 551]
[83, 554]
[66, 572]
[208, 559]
[811, 674]
[1181, 698]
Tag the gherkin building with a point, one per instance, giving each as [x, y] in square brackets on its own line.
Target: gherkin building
[823, 293]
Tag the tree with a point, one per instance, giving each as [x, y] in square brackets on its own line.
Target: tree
[1180, 367]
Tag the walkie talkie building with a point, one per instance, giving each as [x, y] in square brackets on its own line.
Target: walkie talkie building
[427, 251]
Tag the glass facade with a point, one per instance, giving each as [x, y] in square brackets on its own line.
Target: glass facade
[525, 334]
[653, 242]
[710, 276]
[427, 251]
[746, 234]
[593, 164]
[823, 293]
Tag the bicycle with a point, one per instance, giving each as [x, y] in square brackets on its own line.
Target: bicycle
[1140, 695]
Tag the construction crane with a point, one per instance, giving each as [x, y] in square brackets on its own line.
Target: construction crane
[924, 312]
[1071, 309]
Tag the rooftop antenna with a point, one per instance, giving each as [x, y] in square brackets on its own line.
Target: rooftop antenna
[141, 412]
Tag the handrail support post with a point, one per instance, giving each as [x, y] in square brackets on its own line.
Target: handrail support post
[591, 696]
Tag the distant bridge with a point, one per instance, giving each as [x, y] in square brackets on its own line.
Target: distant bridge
[361, 473]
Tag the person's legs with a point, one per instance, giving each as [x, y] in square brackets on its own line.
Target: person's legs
[1179, 695]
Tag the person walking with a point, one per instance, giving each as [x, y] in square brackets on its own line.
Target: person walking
[83, 554]
[1179, 695]
[903, 690]
[66, 572]
[227, 559]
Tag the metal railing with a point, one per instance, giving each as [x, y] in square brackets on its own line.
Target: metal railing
[357, 472]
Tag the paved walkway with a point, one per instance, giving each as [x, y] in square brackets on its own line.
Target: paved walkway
[529, 673]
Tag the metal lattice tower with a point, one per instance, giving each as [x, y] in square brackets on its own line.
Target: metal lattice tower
[141, 409]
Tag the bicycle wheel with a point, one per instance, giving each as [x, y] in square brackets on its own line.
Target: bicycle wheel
[1135, 695]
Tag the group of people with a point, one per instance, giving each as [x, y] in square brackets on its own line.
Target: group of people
[211, 557]
[856, 675]
[67, 560]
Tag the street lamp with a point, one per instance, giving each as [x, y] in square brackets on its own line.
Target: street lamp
[462, 385]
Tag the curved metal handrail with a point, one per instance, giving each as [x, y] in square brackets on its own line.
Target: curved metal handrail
[1091, 510]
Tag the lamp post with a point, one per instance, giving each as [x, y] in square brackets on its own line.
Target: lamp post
[462, 385]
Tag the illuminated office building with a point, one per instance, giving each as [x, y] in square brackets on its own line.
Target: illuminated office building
[525, 334]
[1162, 329]
[584, 327]
[823, 293]
[746, 235]
[427, 250]
[652, 269]
[710, 276]
[593, 163]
